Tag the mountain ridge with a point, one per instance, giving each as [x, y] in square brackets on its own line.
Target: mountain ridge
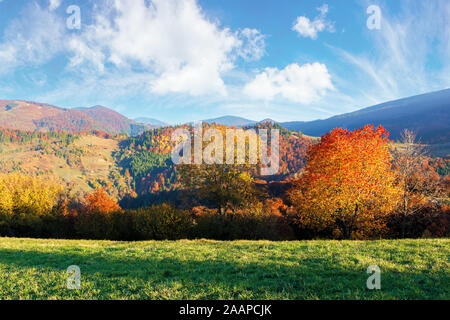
[231, 121]
[37, 116]
[428, 114]
[151, 121]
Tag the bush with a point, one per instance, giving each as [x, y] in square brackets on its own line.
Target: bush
[100, 217]
[32, 207]
[431, 221]
[162, 222]
[255, 223]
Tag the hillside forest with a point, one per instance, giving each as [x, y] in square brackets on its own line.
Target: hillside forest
[345, 185]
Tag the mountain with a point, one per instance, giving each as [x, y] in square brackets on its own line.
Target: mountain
[427, 114]
[112, 121]
[35, 116]
[152, 122]
[231, 121]
[269, 121]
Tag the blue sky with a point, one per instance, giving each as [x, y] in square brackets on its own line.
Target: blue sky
[186, 60]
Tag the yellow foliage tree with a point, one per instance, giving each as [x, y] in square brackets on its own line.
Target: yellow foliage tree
[25, 194]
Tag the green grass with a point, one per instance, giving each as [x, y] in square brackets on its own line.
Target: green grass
[410, 269]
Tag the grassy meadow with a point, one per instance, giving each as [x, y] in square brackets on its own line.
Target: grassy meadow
[203, 269]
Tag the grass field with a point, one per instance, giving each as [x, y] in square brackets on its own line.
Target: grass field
[410, 269]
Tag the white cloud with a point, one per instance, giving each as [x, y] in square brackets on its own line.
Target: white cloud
[302, 84]
[171, 44]
[54, 4]
[253, 44]
[307, 28]
[33, 38]
[171, 39]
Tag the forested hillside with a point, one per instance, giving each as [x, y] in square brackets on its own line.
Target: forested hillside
[348, 184]
[121, 165]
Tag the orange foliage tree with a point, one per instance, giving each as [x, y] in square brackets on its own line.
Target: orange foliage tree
[100, 201]
[348, 186]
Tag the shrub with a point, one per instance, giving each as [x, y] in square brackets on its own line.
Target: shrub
[430, 221]
[253, 223]
[100, 217]
[162, 222]
[93, 225]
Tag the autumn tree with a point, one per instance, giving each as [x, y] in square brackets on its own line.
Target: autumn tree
[26, 202]
[100, 201]
[20, 194]
[225, 185]
[348, 184]
[418, 181]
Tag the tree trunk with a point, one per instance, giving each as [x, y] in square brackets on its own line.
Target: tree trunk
[405, 212]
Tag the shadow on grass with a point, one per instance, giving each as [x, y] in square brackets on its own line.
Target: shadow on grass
[145, 277]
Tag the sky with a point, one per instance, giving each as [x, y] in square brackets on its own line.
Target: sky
[187, 60]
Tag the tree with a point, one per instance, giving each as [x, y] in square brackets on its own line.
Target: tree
[348, 184]
[417, 180]
[21, 194]
[227, 186]
[100, 201]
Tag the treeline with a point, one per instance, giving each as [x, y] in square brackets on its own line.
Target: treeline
[354, 186]
[21, 136]
[37, 208]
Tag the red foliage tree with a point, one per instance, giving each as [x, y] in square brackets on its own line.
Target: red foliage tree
[100, 201]
[348, 185]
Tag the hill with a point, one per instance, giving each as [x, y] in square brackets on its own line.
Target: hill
[427, 114]
[232, 121]
[35, 116]
[81, 161]
[122, 165]
[112, 121]
[154, 123]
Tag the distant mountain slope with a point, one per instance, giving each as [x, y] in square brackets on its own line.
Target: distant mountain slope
[231, 121]
[34, 116]
[428, 114]
[151, 121]
[112, 121]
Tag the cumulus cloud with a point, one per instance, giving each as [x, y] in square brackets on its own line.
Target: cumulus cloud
[170, 43]
[307, 28]
[302, 84]
[172, 39]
